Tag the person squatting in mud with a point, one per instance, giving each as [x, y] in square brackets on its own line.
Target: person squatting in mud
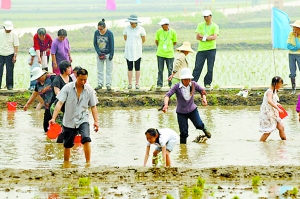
[165, 140]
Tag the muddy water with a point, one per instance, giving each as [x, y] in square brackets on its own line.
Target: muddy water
[121, 140]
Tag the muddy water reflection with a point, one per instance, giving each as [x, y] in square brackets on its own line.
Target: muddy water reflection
[121, 140]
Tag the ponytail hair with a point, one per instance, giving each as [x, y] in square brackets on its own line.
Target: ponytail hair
[153, 132]
[276, 80]
[102, 23]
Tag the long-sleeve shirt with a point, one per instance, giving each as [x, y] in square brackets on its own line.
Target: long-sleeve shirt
[293, 44]
[104, 43]
[185, 106]
[42, 45]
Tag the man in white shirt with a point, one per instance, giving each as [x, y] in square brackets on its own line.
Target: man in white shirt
[9, 43]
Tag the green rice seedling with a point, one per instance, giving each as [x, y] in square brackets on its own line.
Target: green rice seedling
[96, 191]
[84, 182]
[186, 190]
[256, 181]
[197, 192]
[200, 182]
[236, 197]
[293, 192]
[169, 196]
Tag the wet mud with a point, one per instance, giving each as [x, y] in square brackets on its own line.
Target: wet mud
[155, 98]
[156, 182]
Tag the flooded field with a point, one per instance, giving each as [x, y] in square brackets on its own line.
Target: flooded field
[118, 151]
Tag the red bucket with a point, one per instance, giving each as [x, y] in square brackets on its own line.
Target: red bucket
[12, 106]
[53, 131]
[283, 114]
[77, 139]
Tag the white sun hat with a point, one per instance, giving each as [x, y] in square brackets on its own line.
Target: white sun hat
[36, 72]
[186, 46]
[133, 19]
[32, 51]
[186, 73]
[296, 23]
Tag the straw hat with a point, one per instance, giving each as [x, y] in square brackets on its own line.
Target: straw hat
[133, 19]
[186, 73]
[296, 24]
[36, 72]
[186, 46]
[8, 25]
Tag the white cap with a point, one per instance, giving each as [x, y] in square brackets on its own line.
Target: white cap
[8, 25]
[206, 13]
[164, 21]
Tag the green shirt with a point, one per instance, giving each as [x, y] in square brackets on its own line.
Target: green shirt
[206, 30]
[166, 41]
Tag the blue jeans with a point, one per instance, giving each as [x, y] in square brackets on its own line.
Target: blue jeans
[100, 67]
[210, 56]
[293, 59]
[183, 122]
[160, 64]
[7, 60]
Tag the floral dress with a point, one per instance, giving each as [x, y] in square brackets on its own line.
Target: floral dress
[268, 116]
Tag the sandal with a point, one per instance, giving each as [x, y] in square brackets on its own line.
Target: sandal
[129, 86]
[137, 86]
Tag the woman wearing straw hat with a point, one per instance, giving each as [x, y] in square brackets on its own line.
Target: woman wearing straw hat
[135, 36]
[293, 44]
[180, 61]
[186, 107]
[44, 88]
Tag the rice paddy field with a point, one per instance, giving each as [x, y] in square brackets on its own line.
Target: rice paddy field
[232, 68]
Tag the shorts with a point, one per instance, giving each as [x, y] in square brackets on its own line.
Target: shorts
[70, 133]
[170, 146]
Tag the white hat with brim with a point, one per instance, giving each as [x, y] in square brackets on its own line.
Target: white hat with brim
[186, 46]
[206, 13]
[32, 51]
[133, 19]
[186, 73]
[296, 24]
[164, 21]
[8, 25]
[37, 72]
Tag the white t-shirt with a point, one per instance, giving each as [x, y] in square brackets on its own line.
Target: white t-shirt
[165, 135]
[8, 41]
[133, 45]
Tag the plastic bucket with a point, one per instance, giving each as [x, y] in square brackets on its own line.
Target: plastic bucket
[12, 106]
[283, 114]
[77, 139]
[53, 131]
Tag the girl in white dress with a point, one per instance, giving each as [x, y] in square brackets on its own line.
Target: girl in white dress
[269, 119]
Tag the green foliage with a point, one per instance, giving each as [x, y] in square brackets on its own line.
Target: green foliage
[256, 181]
[96, 191]
[169, 196]
[84, 182]
[186, 190]
[236, 197]
[200, 182]
[158, 159]
[291, 193]
[197, 191]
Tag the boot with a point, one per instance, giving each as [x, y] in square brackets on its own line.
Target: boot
[182, 140]
[206, 132]
[293, 81]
